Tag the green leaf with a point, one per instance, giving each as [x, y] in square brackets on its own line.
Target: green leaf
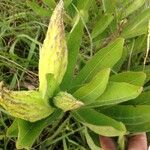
[118, 65]
[104, 58]
[136, 118]
[128, 114]
[99, 123]
[101, 25]
[67, 3]
[92, 90]
[12, 131]
[50, 88]
[137, 26]
[117, 92]
[142, 99]
[83, 8]
[135, 78]
[146, 70]
[84, 5]
[90, 141]
[73, 44]
[50, 3]
[38, 9]
[94, 7]
[108, 6]
[133, 6]
[145, 127]
[29, 132]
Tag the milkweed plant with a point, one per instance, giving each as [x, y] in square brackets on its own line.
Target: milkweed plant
[105, 103]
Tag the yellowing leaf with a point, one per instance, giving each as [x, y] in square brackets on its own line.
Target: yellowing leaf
[27, 105]
[53, 55]
[66, 101]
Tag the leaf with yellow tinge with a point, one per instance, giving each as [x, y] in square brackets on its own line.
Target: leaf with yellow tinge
[53, 54]
[66, 101]
[27, 105]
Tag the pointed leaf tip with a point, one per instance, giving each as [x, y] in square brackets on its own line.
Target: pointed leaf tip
[54, 54]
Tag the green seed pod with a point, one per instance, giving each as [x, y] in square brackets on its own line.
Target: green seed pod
[27, 105]
[53, 55]
[66, 101]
